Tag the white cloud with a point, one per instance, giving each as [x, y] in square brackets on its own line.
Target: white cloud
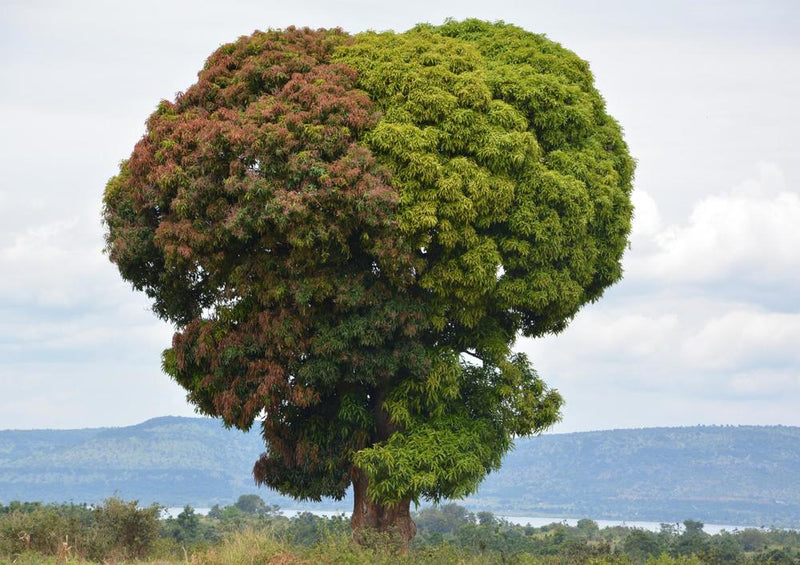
[662, 349]
[105, 333]
[769, 383]
[58, 264]
[596, 406]
[86, 394]
[745, 338]
[646, 217]
[598, 333]
[770, 182]
[749, 233]
[670, 336]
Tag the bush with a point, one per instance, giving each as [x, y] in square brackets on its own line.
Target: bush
[113, 530]
[45, 529]
[124, 530]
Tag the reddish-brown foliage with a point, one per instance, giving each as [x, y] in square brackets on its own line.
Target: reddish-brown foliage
[260, 216]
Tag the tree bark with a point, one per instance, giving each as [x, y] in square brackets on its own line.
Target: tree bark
[375, 523]
[372, 522]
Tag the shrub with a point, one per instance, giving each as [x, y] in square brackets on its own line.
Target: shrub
[124, 530]
[116, 529]
[45, 529]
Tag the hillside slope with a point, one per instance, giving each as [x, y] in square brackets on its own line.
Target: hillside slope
[169, 460]
[744, 475]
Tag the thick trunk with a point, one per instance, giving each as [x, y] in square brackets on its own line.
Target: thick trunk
[375, 523]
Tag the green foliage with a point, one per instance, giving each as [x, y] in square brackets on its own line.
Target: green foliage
[444, 519]
[588, 528]
[692, 540]
[681, 560]
[255, 505]
[43, 528]
[350, 232]
[114, 530]
[306, 529]
[185, 528]
[504, 158]
[448, 456]
[753, 539]
[642, 545]
[126, 530]
[726, 548]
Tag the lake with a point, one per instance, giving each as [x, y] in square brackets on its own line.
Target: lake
[535, 521]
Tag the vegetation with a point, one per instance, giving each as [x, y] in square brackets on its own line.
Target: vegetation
[113, 530]
[349, 234]
[250, 532]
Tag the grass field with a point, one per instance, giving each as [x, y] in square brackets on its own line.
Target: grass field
[263, 548]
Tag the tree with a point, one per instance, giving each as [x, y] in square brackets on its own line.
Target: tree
[692, 540]
[349, 233]
[726, 549]
[124, 529]
[588, 528]
[444, 519]
[186, 526]
[753, 539]
[641, 545]
[255, 505]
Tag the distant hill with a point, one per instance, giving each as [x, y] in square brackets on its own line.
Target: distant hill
[745, 475]
[170, 460]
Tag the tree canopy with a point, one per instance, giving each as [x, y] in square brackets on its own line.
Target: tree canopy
[349, 233]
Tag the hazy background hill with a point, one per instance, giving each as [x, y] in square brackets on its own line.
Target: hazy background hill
[172, 461]
[743, 475]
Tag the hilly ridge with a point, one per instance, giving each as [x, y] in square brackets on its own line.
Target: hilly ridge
[169, 460]
[744, 475]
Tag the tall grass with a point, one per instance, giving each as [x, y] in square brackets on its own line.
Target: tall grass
[253, 547]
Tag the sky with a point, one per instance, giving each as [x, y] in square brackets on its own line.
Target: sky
[703, 329]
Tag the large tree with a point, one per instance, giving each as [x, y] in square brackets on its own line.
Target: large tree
[349, 232]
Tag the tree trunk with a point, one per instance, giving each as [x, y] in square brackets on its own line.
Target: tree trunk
[375, 523]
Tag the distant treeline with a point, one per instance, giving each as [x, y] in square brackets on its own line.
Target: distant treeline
[119, 530]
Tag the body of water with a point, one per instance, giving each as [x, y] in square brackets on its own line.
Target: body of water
[535, 521]
[539, 521]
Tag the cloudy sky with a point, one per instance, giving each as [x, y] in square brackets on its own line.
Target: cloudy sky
[704, 329]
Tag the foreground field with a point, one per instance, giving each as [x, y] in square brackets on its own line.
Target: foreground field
[263, 548]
